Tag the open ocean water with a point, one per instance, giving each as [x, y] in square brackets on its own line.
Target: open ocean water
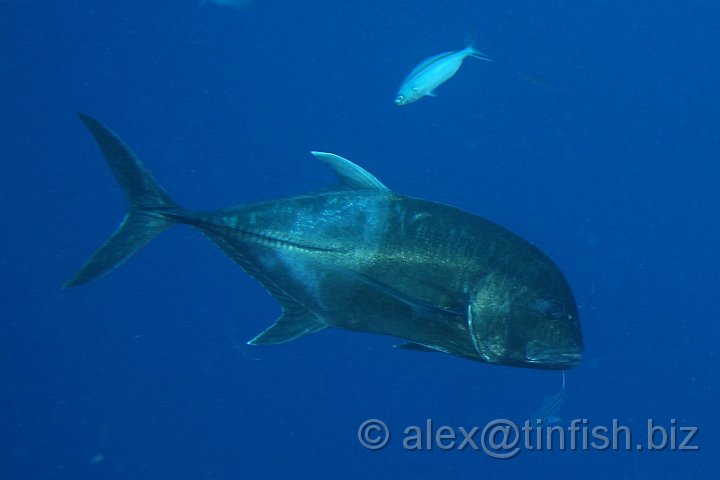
[595, 134]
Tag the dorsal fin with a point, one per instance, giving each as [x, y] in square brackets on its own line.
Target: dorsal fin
[350, 176]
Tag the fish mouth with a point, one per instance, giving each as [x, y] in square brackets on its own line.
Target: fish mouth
[554, 359]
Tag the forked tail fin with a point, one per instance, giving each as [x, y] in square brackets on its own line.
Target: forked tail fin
[472, 51]
[149, 207]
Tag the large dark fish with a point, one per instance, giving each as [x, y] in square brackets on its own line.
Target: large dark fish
[360, 257]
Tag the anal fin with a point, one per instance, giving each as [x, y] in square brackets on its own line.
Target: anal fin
[295, 322]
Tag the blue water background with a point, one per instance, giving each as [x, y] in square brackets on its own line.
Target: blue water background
[594, 135]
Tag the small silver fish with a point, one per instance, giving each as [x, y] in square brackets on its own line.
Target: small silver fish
[433, 72]
[549, 412]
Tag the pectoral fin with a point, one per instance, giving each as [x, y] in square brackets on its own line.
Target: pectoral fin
[416, 347]
[416, 304]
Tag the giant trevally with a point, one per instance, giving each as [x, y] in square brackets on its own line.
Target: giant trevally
[360, 257]
[433, 72]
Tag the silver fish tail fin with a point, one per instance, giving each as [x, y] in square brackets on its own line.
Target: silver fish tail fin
[150, 210]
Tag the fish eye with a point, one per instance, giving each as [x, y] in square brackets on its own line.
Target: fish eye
[549, 309]
[415, 89]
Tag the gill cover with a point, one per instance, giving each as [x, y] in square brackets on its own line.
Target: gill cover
[489, 318]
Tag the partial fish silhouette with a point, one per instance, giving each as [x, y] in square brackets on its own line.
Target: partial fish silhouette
[549, 412]
[228, 3]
